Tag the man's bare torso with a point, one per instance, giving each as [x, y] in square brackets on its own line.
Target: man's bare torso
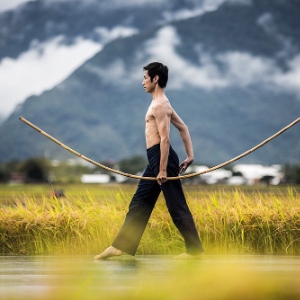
[151, 132]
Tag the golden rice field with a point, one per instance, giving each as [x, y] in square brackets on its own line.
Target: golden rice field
[229, 220]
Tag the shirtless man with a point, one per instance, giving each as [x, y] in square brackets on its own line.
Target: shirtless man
[163, 162]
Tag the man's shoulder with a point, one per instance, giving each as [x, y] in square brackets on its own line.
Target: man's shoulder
[162, 103]
[161, 109]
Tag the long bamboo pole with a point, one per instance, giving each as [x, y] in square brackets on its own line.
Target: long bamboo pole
[153, 178]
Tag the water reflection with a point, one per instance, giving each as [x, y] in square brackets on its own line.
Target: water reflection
[33, 277]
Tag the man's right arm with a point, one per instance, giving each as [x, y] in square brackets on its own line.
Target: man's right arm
[162, 119]
[187, 141]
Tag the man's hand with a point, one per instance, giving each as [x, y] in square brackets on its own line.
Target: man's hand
[185, 164]
[161, 177]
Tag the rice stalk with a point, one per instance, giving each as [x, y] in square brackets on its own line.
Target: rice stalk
[228, 221]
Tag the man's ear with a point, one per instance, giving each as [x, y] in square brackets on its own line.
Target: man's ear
[156, 78]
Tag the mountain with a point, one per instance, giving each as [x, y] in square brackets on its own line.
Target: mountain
[232, 80]
[56, 37]
[1, 119]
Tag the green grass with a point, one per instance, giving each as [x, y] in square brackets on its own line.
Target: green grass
[229, 220]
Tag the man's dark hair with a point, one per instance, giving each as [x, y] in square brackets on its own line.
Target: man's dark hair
[159, 69]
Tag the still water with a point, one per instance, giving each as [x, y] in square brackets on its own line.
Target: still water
[32, 277]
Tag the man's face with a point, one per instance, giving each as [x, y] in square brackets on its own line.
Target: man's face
[148, 85]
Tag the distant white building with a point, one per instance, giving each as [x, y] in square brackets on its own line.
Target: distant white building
[249, 174]
[77, 161]
[95, 178]
[236, 180]
[214, 176]
[253, 173]
[119, 178]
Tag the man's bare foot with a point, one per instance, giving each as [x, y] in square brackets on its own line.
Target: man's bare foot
[187, 256]
[109, 252]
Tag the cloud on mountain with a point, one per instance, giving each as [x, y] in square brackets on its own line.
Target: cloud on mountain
[110, 4]
[47, 64]
[105, 35]
[199, 9]
[228, 69]
[267, 22]
[10, 4]
[208, 4]
[40, 68]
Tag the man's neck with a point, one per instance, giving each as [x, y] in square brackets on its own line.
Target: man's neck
[158, 93]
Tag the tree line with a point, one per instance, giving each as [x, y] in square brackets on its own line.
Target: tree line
[40, 169]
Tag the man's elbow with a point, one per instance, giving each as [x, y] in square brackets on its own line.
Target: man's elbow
[165, 141]
[184, 128]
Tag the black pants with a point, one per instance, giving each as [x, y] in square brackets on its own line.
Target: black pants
[143, 202]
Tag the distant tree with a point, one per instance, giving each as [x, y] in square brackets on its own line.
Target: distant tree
[292, 174]
[4, 173]
[64, 172]
[108, 163]
[7, 168]
[133, 165]
[35, 169]
[12, 165]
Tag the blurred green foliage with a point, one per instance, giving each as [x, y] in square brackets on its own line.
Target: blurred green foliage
[133, 165]
[292, 174]
[38, 169]
[66, 173]
[4, 173]
[35, 169]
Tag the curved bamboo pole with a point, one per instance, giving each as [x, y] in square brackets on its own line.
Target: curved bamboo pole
[153, 178]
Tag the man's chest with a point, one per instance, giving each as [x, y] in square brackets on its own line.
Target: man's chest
[149, 115]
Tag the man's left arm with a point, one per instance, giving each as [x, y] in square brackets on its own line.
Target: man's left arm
[186, 139]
